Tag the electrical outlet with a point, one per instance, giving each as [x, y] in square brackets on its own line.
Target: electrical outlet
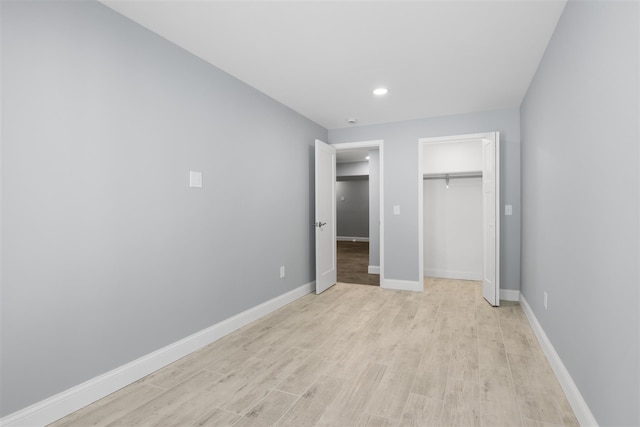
[282, 271]
[546, 298]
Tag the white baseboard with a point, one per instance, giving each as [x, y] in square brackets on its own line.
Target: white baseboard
[577, 402]
[68, 401]
[352, 239]
[509, 295]
[402, 285]
[374, 269]
[449, 274]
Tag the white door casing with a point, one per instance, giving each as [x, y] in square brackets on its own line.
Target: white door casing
[325, 223]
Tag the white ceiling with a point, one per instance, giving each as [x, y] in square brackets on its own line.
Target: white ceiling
[324, 58]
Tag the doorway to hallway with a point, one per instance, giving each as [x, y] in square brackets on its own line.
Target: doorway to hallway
[358, 200]
[353, 217]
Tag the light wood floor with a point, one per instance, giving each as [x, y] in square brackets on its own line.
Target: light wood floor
[356, 356]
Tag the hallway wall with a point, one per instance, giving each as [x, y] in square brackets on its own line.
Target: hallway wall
[352, 207]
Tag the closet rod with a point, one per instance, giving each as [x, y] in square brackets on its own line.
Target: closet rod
[452, 176]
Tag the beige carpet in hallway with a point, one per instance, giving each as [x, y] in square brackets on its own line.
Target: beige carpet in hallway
[356, 356]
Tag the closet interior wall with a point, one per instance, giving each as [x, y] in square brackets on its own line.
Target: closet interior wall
[453, 210]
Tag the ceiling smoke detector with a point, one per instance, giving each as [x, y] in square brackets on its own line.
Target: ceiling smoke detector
[352, 121]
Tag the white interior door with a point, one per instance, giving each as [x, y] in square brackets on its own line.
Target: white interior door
[491, 218]
[325, 223]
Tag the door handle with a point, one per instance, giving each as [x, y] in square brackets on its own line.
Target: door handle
[320, 224]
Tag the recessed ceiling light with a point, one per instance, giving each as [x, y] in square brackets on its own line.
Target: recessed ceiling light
[380, 91]
[367, 157]
[352, 121]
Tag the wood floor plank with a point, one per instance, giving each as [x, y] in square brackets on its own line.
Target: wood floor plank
[457, 410]
[234, 385]
[418, 333]
[516, 340]
[268, 410]
[373, 347]
[500, 413]
[464, 360]
[383, 316]
[406, 361]
[349, 358]
[178, 371]
[355, 325]
[181, 405]
[368, 420]
[317, 336]
[535, 423]
[353, 398]
[432, 373]
[495, 384]
[312, 404]
[398, 297]
[534, 400]
[333, 294]
[111, 407]
[374, 302]
[260, 385]
[278, 348]
[218, 418]
[301, 378]
[353, 263]
[226, 361]
[273, 320]
[390, 397]
[421, 411]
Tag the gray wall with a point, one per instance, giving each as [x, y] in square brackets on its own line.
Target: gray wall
[580, 236]
[453, 228]
[352, 207]
[352, 169]
[401, 184]
[107, 254]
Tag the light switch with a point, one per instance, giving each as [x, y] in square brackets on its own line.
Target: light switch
[508, 210]
[396, 210]
[195, 179]
[342, 198]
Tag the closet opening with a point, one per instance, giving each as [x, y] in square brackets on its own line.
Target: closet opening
[459, 215]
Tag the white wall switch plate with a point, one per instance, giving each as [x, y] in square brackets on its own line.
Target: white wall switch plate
[508, 210]
[195, 179]
[546, 299]
[282, 271]
[396, 210]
